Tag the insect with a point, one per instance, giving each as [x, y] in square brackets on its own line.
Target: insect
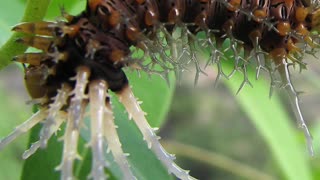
[82, 58]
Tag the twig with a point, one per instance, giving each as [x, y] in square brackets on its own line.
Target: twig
[215, 160]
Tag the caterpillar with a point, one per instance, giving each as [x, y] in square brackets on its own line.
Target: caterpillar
[82, 58]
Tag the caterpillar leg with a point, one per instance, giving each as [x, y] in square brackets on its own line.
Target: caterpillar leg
[132, 106]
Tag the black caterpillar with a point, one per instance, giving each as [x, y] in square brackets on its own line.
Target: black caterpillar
[83, 57]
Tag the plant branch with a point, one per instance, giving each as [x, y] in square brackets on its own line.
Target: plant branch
[35, 11]
[215, 160]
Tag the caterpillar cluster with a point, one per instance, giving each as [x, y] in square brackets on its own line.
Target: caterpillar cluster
[82, 58]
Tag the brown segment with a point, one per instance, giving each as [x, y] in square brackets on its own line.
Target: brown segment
[93, 4]
[35, 78]
[40, 28]
[38, 42]
[201, 19]
[301, 14]
[150, 18]
[259, 15]
[228, 26]
[255, 37]
[175, 10]
[283, 28]
[174, 16]
[260, 9]
[117, 55]
[114, 18]
[292, 47]
[31, 58]
[234, 5]
[278, 54]
[132, 33]
[303, 31]
[140, 1]
[71, 30]
[315, 19]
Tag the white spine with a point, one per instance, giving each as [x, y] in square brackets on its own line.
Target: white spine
[114, 144]
[294, 97]
[35, 146]
[74, 122]
[51, 121]
[97, 96]
[24, 127]
[132, 106]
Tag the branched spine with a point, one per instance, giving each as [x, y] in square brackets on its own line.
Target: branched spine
[127, 98]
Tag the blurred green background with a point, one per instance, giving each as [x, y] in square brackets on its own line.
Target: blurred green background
[213, 132]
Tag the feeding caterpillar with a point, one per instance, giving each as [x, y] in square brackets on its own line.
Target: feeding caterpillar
[82, 58]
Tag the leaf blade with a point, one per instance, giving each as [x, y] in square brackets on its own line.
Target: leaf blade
[275, 126]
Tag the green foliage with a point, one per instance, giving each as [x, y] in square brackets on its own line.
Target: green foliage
[274, 124]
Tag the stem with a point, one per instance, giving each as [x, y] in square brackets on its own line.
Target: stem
[215, 160]
[35, 11]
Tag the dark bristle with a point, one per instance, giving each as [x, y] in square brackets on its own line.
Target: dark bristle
[19, 40]
[16, 28]
[14, 58]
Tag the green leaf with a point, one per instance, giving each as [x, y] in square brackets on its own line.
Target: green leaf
[70, 6]
[10, 156]
[42, 164]
[316, 139]
[8, 20]
[274, 124]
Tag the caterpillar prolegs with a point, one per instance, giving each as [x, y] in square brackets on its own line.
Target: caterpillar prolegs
[82, 58]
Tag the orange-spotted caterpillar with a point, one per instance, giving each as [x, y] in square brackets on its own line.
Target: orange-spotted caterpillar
[82, 59]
